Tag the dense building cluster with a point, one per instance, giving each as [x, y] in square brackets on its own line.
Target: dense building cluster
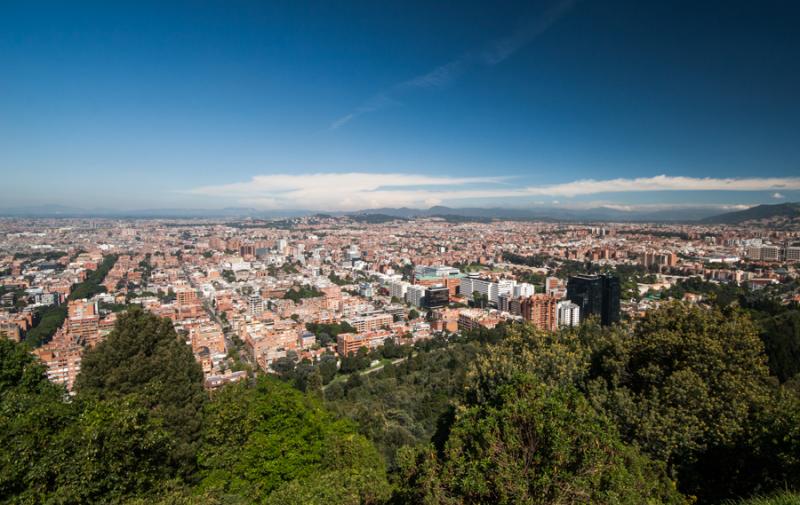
[250, 293]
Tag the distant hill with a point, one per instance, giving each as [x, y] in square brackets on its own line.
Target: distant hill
[789, 210]
[597, 214]
[378, 215]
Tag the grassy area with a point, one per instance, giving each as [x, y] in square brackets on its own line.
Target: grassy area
[778, 499]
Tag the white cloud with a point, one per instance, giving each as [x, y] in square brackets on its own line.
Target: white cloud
[361, 190]
[778, 196]
[666, 183]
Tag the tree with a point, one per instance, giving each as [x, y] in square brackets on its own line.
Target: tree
[327, 367]
[92, 284]
[143, 356]
[685, 379]
[687, 384]
[283, 366]
[413, 314]
[114, 450]
[50, 320]
[272, 439]
[82, 451]
[32, 413]
[781, 336]
[532, 443]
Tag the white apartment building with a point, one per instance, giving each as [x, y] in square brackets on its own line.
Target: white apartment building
[524, 290]
[398, 289]
[492, 290]
[568, 313]
[415, 295]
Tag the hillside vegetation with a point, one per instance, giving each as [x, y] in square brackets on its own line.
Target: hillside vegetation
[682, 407]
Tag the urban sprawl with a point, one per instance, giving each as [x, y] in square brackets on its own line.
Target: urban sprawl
[253, 294]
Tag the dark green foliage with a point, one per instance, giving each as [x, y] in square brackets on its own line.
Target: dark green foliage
[338, 280]
[354, 362]
[298, 293]
[327, 367]
[510, 415]
[778, 499]
[764, 458]
[31, 414]
[54, 451]
[33, 256]
[400, 405]
[391, 350]
[538, 260]
[113, 450]
[50, 320]
[781, 336]
[684, 380]
[327, 333]
[688, 385]
[144, 356]
[91, 285]
[289, 268]
[721, 295]
[272, 439]
[229, 275]
[536, 444]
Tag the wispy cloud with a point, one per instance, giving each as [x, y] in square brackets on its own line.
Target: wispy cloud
[667, 183]
[361, 190]
[442, 76]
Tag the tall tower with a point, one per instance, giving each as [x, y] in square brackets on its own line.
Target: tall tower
[596, 295]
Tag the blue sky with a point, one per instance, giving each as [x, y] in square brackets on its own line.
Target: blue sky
[341, 105]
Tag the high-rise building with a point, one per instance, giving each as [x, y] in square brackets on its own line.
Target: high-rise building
[540, 310]
[186, 296]
[524, 290]
[568, 313]
[436, 297]
[415, 295]
[485, 287]
[596, 295]
[659, 259]
[398, 289]
[255, 306]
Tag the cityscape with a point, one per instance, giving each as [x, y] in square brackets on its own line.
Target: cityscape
[248, 294]
[526, 253]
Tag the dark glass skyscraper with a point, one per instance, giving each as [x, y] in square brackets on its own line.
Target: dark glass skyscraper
[596, 295]
[437, 296]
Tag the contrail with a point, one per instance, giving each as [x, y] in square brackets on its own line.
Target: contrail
[496, 52]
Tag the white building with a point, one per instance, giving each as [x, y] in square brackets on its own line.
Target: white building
[485, 287]
[255, 306]
[524, 290]
[435, 271]
[568, 313]
[282, 244]
[415, 295]
[398, 289]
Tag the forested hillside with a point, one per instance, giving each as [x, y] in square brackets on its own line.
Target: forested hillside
[686, 405]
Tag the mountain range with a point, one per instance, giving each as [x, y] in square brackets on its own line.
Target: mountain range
[688, 214]
[789, 210]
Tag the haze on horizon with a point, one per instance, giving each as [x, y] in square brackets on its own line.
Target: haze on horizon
[346, 106]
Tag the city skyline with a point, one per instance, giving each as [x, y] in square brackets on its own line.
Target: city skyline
[351, 107]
